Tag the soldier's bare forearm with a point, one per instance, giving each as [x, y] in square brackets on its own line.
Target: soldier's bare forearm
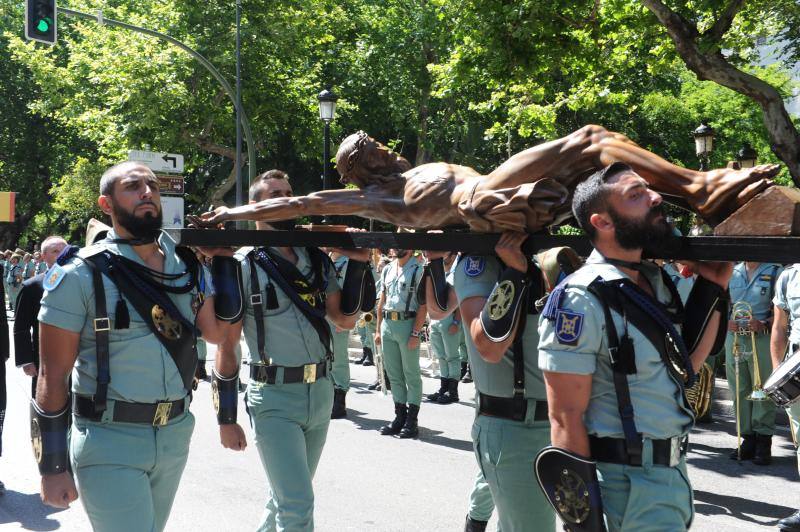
[226, 363]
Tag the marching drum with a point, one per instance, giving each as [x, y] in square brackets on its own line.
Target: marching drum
[783, 386]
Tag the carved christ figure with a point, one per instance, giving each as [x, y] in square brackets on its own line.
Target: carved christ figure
[528, 192]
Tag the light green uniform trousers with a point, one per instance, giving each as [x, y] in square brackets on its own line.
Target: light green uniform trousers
[650, 498]
[142, 463]
[445, 346]
[481, 504]
[340, 370]
[754, 416]
[505, 451]
[462, 347]
[290, 422]
[367, 335]
[400, 362]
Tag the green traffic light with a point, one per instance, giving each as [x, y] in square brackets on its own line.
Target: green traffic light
[43, 26]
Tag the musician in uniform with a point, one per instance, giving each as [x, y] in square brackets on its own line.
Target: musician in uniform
[340, 371]
[511, 422]
[13, 277]
[615, 366]
[752, 283]
[445, 337]
[785, 342]
[122, 317]
[400, 318]
[289, 293]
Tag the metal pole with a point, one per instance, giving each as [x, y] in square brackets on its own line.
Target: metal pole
[326, 155]
[248, 134]
[238, 162]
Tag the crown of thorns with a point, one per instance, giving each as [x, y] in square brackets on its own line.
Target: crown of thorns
[354, 155]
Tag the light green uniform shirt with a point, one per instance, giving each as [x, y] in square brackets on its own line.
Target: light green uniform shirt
[142, 369]
[475, 276]
[290, 339]
[787, 297]
[398, 287]
[757, 290]
[581, 347]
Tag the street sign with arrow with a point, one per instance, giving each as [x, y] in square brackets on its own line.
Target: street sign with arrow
[157, 161]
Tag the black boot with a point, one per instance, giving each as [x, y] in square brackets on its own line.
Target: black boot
[400, 415]
[339, 409]
[763, 454]
[375, 386]
[463, 369]
[363, 356]
[410, 428]
[791, 523]
[369, 360]
[748, 448]
[475, 526]
[452, 393]
[467, 378]
[434, 397]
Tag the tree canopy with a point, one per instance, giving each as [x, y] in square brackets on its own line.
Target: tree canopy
[469, 82]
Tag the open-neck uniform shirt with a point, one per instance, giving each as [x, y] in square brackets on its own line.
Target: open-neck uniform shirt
[577, 343]
[290, 339]
[142, 369]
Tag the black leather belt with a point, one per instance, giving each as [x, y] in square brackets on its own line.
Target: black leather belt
[397, 315]
[509, 408]
[156, 414]
[307, 374]
[612, 450]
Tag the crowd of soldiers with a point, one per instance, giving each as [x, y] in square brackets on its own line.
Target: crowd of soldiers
[568, 358]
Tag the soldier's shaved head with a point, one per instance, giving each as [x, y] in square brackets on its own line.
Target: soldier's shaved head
[113, 174]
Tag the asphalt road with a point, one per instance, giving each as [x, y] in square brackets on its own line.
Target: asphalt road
[366, 481]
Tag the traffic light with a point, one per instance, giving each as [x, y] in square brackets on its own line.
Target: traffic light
[40, 20]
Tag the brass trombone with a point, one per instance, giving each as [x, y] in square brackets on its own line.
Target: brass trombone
[741, 315]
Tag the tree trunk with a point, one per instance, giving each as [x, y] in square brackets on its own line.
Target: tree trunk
[713, 66]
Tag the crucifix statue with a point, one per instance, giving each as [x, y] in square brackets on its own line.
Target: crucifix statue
[528, 192]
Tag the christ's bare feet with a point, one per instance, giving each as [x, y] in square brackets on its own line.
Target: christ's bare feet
[725, 190]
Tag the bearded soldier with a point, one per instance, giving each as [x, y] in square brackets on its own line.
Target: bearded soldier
[123, 316]
[616, 367]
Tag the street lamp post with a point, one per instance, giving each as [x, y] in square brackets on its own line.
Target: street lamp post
[327, 111]
[747, 156]
[703, 143]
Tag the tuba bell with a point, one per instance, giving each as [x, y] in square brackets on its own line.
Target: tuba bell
[367, 317]
[699, 395]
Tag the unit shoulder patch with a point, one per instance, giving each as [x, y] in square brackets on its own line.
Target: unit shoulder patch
[569, 326]
[53, 277]
[474, 266]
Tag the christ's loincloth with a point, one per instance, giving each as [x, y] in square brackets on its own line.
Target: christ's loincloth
[527, 208]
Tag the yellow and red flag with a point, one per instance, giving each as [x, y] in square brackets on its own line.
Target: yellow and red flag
[7, 209]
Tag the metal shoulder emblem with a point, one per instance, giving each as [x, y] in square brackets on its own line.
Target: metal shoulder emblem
[500, 300]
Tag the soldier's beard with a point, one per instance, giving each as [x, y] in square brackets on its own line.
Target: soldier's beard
[648, 233]
[146, 227]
